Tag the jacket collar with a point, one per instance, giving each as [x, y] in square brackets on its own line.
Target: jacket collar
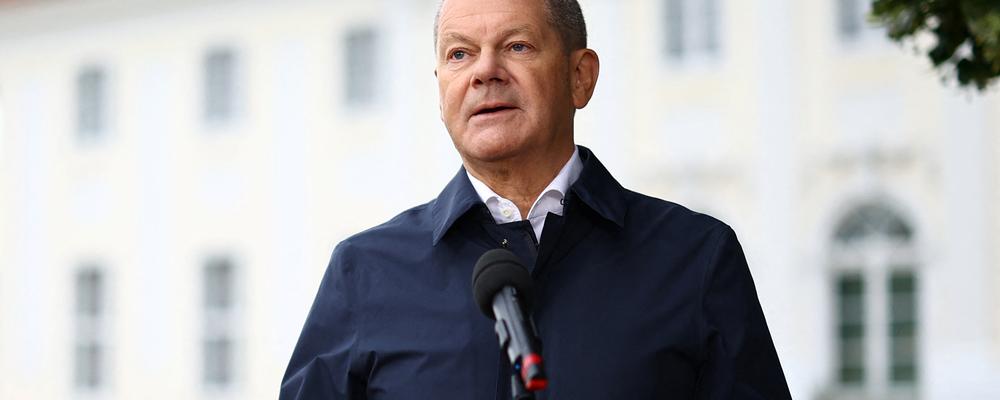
[599, 190]
[454, 201]
[595, 187]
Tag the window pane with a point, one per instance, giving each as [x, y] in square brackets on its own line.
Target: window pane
[89, 292]
[361, 60]
[220, 84]
[91, 92]
[851, 328]
[675, 28]
[87, 373]
[217, 363]
[711, 26]
[903, 327]
[88, 353]
[217, 330]
[847, 18]
[218, 289]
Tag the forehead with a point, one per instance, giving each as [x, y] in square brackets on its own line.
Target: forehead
[483, 17]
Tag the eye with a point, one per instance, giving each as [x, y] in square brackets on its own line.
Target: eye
[519, 47]
[457, 55]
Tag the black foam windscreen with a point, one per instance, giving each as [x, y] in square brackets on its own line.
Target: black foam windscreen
[494, 270]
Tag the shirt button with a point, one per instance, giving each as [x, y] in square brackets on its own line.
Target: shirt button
[506, 212]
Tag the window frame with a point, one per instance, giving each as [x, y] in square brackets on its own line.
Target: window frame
[876, 253]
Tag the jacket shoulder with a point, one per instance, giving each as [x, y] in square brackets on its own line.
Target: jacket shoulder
[652, 211]
[411, 226]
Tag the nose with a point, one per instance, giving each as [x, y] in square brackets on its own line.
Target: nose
[489, 70]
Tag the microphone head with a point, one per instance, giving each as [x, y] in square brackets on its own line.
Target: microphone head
[494, 270]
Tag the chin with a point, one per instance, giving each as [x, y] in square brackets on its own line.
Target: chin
[492, 147]
[490, 153]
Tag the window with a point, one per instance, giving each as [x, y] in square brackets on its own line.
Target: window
[675, 28]
[218, 361]
[220, 85]
[361, 58]
[218, 285]
[851, 329]
[876, 296]
[219, 300]
[902, 327]
[691, 28]
[90, 350]
[852, 24]
[91, 98]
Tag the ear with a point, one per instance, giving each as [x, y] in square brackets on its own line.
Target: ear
[585, 69]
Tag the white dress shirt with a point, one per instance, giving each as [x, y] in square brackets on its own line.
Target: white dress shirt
[550, 201]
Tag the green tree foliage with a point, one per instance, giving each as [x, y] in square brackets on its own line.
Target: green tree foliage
[967, 34]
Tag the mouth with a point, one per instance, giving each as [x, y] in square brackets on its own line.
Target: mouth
[491, 109]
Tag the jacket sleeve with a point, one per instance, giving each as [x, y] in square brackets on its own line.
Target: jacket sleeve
[740, 360]
[325, 363]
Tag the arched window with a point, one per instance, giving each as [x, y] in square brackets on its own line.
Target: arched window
[875, 297]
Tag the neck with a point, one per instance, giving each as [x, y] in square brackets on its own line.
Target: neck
[521, 179]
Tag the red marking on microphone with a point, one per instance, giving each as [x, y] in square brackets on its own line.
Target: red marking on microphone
[529, 361]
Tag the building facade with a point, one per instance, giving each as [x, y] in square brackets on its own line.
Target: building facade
[175, 175]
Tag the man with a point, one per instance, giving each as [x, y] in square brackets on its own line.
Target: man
[635, 297]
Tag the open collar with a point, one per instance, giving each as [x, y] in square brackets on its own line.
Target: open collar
[595, 187]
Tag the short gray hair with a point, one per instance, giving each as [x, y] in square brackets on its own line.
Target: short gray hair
[564, 15]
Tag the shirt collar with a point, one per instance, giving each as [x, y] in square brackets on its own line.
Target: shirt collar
[549, 200]
[595, 187]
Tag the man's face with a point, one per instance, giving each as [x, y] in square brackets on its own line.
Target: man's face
[503, 78]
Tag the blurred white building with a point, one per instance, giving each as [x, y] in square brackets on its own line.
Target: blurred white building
[174, 175]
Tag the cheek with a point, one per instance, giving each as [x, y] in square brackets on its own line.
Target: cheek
[451, 99]
[451, 110]
[558, 92]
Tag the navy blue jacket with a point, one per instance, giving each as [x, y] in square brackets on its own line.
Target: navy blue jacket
[635, 298]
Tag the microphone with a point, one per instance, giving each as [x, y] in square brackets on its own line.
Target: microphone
[502, 288]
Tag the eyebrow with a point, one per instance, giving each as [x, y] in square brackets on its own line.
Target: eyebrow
[516, 30]
[453, 37]
[449, 37]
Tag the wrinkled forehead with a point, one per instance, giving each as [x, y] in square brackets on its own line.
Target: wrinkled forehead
[465, 7]
[481, 19]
